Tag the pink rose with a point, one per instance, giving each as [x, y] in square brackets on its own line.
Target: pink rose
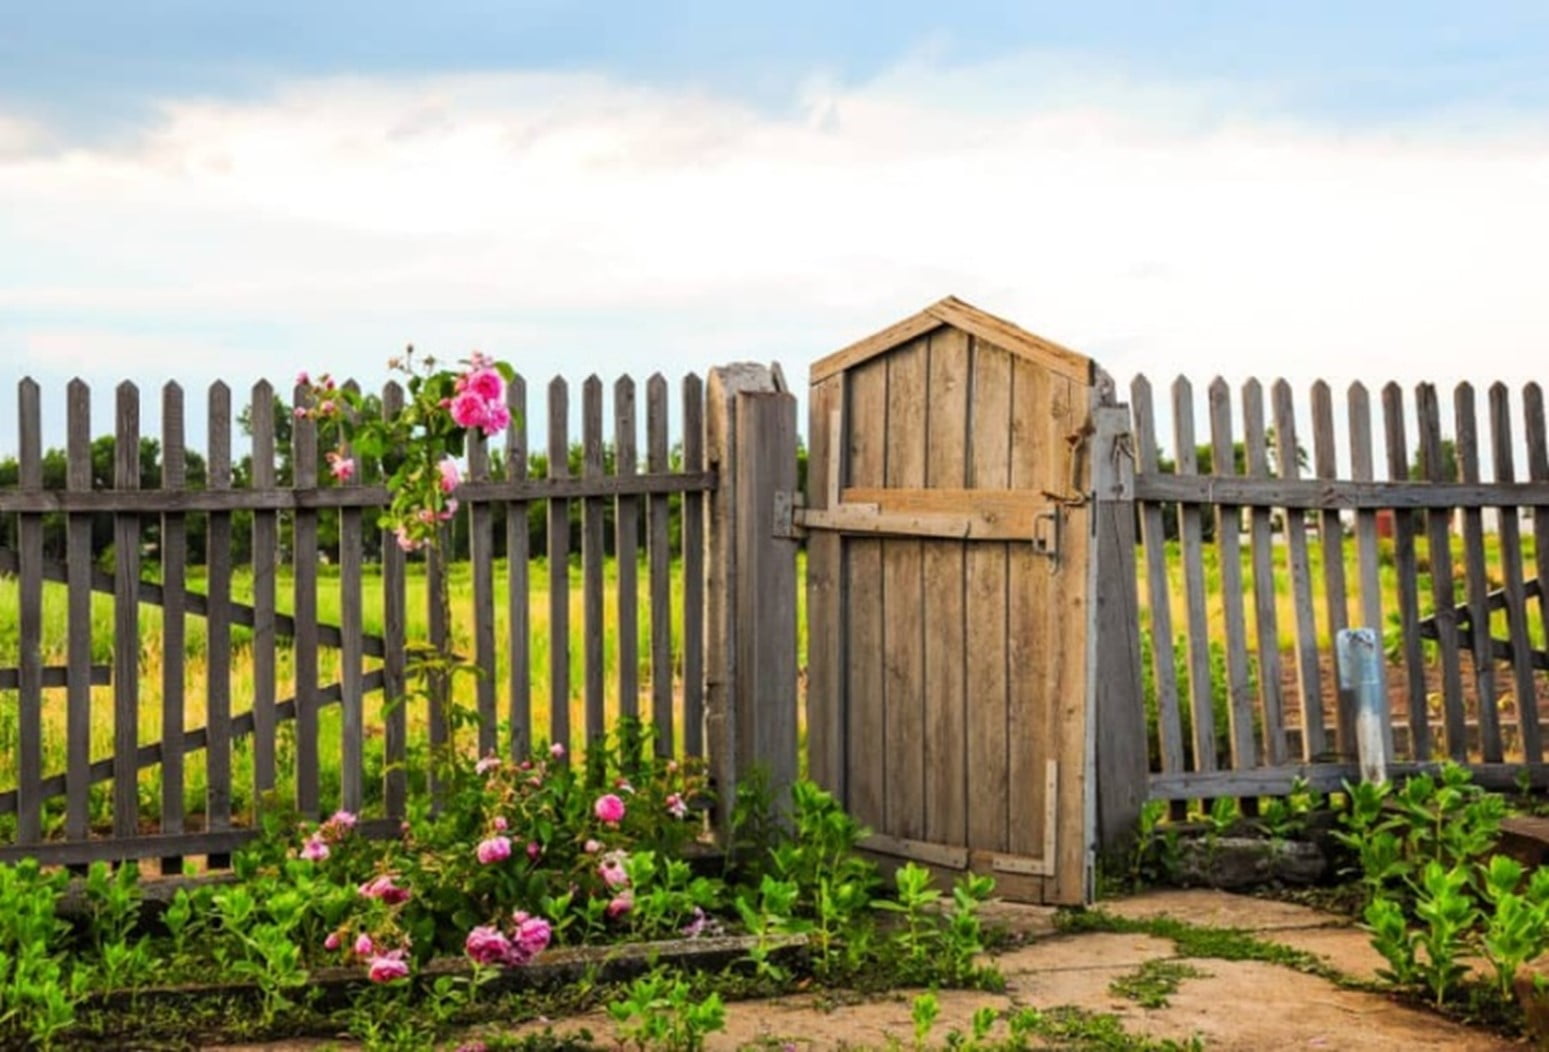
[593, 846]
[315, 849]
[533, 850]
[532, 934]
[557, 750]
[302, 379]
[489, 385]
[612, 870]
[609, 809]
[388, 966]
[486, 765]
[343, 819]
[469, 410]
[383, 887]
[495, 849]
[450, 476]
[487, 945]
[333, 941]
[405, 542]
[621, 904]
[364, 945]
[497, 418]
[676, 807]
[341, 468]
[499, 823]
[299, 413]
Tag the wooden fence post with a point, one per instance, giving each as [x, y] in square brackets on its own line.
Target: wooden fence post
[750, 704]
[1113, 646]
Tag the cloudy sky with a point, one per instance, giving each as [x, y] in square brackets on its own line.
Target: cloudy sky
[192, 190]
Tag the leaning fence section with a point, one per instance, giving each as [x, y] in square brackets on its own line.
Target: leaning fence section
[193, 631]
[1273, 523]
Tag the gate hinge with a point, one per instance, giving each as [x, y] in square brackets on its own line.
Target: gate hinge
[787, 504]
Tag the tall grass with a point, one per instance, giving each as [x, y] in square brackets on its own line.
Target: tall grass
[153, 665]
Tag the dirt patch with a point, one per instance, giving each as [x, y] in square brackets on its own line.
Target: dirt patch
[1216, 909]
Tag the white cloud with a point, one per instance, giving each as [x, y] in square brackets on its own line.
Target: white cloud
[1156, 226]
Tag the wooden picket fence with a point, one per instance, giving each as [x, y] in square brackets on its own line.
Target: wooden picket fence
[699, 673]
[1221, 652]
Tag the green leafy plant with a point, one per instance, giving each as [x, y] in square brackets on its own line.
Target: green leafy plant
[658, 1011]
[923, 1013]
[39, 992]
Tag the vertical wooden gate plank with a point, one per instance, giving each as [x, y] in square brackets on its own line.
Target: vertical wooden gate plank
[559, 566]
[1370, 559]
[266, 557]
[1438, 530]
[903, 629]
[1538, 471]
[395, 611]
[693, 571]
[988, 608]
[626, 547]
[126, 617]
[1271, 702]
[1407, 571]
[866, 735]
[29, 739]
[78, 692]
[591, 561]
[1228, 525]
[174, 582]
[1039, 464]
[481, 553]
[1191, 538]
[1164, 669]
[304, 577]
[826, 728]
[518, 593]
[1477, 575]
[1523, 686]
[1331, 538]
[218, 623]
[659, 552]
[944, 612]
[351, 651]
[1308, 680]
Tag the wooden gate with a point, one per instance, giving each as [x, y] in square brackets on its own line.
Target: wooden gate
[949, 516]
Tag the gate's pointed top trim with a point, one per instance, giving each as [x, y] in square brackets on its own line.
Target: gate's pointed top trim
[970, 319]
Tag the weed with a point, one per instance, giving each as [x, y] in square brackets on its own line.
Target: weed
[1154, 982]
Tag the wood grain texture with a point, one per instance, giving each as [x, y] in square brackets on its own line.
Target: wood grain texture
[1369, 560]
[592, 556]
[1524, 689]
[266, 559]
[395, 609]
[1271, 696]
[1228, 524]
[518, 591]
[126, 611]
[693, 571]
[659, 554]
[903, 630]
[303, 435]
[1190, 538]
[866, 732]
[1477, 576]
[1159, 602]
[1438, 530]
[1304, 619]
[944, 568]
[79, 588]
[351, 655]
[1407, 573]
[218, 622]
[29, 702]
[626, 544]
[989, 465]
[1331, 539]
[825, 603]
[481, 554]
[559, 567]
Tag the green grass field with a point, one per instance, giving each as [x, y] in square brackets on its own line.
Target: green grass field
[153, 666]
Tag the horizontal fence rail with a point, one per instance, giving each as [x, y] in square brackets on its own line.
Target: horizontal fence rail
[1265, 529]
[256, 544]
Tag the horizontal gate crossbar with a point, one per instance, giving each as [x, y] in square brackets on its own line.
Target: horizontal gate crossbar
[949, 514]
[194, 740]
[1336, 494]
[172, 502]
[162, 845]
[195, 603]
[56, 676]
[1324, 777]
